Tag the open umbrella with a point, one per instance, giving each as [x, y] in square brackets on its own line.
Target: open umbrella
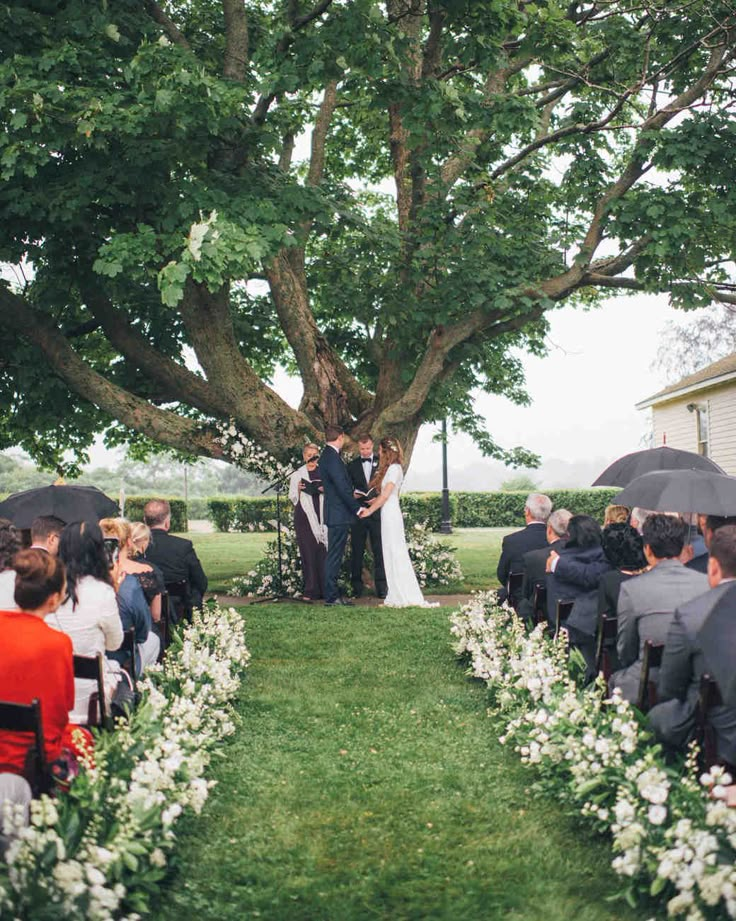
[70, 503]
[717, 639]
[682, 491]
[627, 468]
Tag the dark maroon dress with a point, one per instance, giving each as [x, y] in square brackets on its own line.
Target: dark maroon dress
[312, 552]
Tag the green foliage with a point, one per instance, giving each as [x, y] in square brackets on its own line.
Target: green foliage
[519, 483]
[134, 506]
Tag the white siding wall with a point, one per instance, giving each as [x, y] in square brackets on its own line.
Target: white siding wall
[680, 426]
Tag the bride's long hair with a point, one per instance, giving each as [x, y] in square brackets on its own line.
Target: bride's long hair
[391, 453]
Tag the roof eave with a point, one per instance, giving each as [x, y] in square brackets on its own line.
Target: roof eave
[684, 391]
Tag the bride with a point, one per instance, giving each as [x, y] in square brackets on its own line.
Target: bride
[403, 588]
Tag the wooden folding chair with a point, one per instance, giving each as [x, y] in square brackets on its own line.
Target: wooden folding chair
[605, 645]
[513, 588]
[163, 627]
[539, 603]
[129, 662]
[562, 612]
[651, 659]
[93, 669]
[26, 718]
[180, 594]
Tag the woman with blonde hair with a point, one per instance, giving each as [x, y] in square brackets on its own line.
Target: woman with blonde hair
[403, 587]
[149, 576]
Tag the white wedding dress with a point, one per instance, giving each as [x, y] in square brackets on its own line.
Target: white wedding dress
[403, 588]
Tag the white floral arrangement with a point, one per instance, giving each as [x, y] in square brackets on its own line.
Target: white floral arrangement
[674, 837]
[100, 850]
[434, 564]
[239, 450]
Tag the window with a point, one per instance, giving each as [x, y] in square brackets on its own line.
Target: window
[703, 437]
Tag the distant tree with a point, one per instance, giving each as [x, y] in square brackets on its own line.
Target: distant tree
[698, 340]
[152, 169]
[521, 482]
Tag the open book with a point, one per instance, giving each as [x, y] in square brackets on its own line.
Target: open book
[311, 487]
[365, 495]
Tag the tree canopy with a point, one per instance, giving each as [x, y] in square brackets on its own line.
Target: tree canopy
[385, 198]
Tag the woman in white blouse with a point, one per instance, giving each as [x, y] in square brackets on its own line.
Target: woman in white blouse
[89, 615]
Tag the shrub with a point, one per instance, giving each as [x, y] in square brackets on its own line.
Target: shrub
[179, 514]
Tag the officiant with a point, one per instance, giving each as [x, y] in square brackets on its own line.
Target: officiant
[307, 494]
[361, 470]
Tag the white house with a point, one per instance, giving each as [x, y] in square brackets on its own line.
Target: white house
[698, 413]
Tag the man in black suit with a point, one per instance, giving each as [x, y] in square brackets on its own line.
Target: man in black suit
[532, 537]
[707, 525]
[361, 470]
[685, 660]
[174, 556]
[341, 509]
[535, 561]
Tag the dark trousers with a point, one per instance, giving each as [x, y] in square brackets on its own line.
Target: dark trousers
[337, 538]
[358, 535]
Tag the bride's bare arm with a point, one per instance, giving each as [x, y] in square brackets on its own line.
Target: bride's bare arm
[376, 503]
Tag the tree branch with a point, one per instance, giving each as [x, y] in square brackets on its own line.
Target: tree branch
[172, 33]
[319, 134]
[236, 40]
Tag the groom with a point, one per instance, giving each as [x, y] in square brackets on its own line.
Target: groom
[341, 510]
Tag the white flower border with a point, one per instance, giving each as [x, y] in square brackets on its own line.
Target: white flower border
[673, 835]
[104, 844]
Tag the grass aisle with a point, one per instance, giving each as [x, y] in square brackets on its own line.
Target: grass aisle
[365, 782]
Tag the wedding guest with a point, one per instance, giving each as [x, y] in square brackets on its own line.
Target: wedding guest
[174, 556]
[647, 603]
[707, 526]
[148, 574]
[537, 509]
[10, 543]
[341, 509]
[624, 550]
[683, 661]
[307, 495]
[132, 604]
[36, 661]
[45, 533]
[361, 470]
[574, 575]
[535, 561]
[639, 516]
[89, 614]
[616, 514]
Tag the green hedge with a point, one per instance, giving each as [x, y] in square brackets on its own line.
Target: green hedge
[179, 519]
[467, 509]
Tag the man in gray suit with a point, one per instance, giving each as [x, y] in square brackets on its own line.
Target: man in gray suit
[683, 662]
[647, 603]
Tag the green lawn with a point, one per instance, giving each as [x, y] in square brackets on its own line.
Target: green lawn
[227, 555]
[365, 782]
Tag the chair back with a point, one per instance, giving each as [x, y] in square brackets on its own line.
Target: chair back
[563, 610]
[26, 718]
[164, 625]
[93, 669]
[539, 603]
[180, 600]
[513, 587]
[129, 662]
[651, 659]
[605, 645]
[709, 696]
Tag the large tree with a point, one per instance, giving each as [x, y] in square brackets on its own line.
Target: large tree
[385, 198]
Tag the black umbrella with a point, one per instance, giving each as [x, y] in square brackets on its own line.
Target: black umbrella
[627, 468]
[717, 639]
[70, 503]
[682, 491]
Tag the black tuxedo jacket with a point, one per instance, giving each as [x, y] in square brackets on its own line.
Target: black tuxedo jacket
[534, 564]
[357, 476]
[178, 561]
[513, 548]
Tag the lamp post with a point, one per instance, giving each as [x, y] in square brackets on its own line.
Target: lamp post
[446, 525]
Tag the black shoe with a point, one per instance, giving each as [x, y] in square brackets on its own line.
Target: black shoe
[339, 602]
[357, 591]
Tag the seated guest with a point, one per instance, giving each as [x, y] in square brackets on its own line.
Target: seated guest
[535, 561]
[132, 604]
[148, 574]
[309, 516]
[616, 514]
[9, 545]
[646, 604]
[174, 556]
[45, 533]
[638, 517]
[532, 537]
[624, 550]
[36, 661]
[707, 526]
[684, 662]
[89, 614]
[577, 568]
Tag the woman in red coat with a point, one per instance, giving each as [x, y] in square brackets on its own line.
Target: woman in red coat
[35, 660]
